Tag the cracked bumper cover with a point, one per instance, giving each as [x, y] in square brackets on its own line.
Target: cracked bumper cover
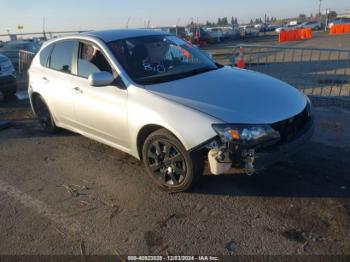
[266, 157]
[256, 159]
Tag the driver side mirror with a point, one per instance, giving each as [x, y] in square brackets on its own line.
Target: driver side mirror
[101, 79]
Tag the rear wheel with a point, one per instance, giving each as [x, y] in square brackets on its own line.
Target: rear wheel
[44, 116]
[169, 164]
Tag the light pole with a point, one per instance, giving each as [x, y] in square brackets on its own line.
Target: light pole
[319, 8]
[326, 24]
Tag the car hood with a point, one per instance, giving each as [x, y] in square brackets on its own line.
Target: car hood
[12, 55]
[235, 96]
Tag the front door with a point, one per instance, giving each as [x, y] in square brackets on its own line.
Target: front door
[100, 111]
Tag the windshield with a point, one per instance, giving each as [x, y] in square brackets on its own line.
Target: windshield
[157, 59]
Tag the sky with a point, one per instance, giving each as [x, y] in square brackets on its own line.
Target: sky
[106, 14]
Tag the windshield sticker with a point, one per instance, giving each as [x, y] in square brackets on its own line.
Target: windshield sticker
[158, 68]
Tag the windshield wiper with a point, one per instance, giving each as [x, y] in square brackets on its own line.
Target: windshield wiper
[170, 77]
[201, 70]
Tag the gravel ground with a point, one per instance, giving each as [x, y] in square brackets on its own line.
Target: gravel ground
[65, 194]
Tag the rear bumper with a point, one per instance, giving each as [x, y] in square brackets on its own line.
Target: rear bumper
[8, 84]
[275, 154]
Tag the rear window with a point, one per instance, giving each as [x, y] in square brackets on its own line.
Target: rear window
[44, 55]
[61, 56]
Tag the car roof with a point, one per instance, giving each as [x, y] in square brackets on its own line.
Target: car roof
[119, 34]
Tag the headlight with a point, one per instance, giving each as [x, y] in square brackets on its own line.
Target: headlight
[246, 134]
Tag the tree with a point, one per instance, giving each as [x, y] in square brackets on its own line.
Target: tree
[209, 24]
[332, 15]
[302, 17]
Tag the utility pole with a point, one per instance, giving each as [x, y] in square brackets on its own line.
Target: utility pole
[127, 23]
[44, 25]
[327, 19]
[319, 8]
[177, 24]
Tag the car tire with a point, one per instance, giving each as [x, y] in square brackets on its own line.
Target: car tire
[44, 115]
[169, 164]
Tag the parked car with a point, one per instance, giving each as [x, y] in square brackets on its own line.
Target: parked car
[271, 28]
[285, 28]
[11, 50]
[198, 36]
[159, 99]
[249, 30]
[179, 31]
[215, 34]
[267, 28]
[8, 84]
[338, 21]
[313, 25]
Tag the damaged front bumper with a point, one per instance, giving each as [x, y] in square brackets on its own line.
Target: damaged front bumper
[229, 158]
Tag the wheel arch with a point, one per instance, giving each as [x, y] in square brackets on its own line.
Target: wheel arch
[145, 131]
[33, 96]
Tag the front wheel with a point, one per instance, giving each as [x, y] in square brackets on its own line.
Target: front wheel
[169, 164]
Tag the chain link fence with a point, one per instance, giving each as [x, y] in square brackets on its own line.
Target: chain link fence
[24, 60]
[318, 72]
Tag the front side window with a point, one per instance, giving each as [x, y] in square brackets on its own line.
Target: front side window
[61, 56]
[91, 60]
[157, 59]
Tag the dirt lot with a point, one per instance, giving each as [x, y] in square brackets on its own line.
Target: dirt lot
[223, 51]
[319, 72]
[65, 194]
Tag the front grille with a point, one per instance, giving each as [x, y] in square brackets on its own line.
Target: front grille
[291, 127]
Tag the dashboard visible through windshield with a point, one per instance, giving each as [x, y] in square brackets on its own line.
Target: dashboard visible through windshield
[156, 59]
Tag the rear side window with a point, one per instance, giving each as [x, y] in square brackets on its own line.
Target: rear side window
[61, 56]
[44, 55]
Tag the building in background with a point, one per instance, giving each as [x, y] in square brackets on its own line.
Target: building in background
[346, 14]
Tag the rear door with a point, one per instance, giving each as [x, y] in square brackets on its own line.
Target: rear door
[58, 79]
[100, 111]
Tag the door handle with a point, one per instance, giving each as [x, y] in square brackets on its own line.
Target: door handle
[46, 80]
[78, 90]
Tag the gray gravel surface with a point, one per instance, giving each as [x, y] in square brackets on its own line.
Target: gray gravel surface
[65, 194]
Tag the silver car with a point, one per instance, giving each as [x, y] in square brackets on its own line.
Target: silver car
[162, 100]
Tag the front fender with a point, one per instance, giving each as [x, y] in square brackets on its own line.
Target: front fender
[190, 126]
